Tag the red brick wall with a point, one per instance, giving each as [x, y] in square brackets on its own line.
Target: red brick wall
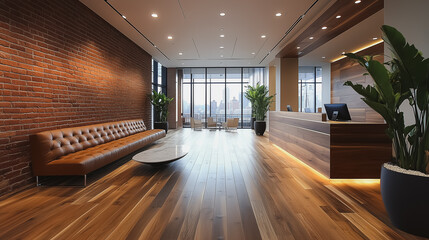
[61, 65]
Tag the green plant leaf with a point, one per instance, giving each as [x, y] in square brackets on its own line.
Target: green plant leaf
[381, 109]
[261, 102]
[422, 96]
[381, 78]
[411, 62]
[408, 79]
[412, 136]
[160, 103]
[368, 92]
[408, 129]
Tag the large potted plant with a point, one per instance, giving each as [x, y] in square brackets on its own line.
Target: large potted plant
[403, 80]
[160, 104]
[250, 94]
[261, 103]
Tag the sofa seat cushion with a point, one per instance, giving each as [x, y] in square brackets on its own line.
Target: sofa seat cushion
[90, 159]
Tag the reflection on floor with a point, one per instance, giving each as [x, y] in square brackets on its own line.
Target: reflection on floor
[231, 185]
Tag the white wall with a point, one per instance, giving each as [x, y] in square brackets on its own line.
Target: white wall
[411, 18]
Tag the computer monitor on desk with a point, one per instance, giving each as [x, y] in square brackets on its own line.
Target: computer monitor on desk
[337, 112]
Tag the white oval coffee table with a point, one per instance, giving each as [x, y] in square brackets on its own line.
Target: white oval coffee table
[162, 154]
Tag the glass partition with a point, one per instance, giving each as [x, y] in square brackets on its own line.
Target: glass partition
[310, 89]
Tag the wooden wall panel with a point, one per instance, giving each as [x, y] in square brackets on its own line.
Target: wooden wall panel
[351, 13]
[289, 83]
[348, 70]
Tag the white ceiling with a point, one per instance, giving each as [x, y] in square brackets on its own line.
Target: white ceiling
[355, 38]
[196, 25]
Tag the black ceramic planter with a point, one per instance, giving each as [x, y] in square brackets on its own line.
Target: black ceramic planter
[260, 128]
[406, 199]
[161, 125]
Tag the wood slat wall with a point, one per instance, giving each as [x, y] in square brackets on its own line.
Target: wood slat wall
[348, 70]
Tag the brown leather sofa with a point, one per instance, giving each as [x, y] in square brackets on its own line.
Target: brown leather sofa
[81, 150]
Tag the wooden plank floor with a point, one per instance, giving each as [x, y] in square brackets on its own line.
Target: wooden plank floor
[231, 185]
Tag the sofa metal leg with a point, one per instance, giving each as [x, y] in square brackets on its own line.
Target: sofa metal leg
[84, 180]
[37, 181]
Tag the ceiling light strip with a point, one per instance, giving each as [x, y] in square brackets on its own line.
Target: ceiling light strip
[360, 49]
[136, 29]
[290, 30]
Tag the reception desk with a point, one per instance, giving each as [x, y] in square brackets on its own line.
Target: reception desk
[335, 149]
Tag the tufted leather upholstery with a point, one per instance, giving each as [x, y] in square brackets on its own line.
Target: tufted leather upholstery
[80, 150]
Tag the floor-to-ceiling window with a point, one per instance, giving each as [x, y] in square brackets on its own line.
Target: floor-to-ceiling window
[186, 96]
[159, 77]
[218, 93]
[310, 89]
[159, 80]
[198, 94]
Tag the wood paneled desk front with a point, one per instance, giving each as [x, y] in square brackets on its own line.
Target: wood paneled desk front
[341, 150]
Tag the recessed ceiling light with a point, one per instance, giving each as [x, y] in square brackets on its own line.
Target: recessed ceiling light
[124, 17]
[180, 53]
[311, 38]
[263, 36]
[253, 53]
[374, 38]
[339, 16]
[222, 36]
[357, 1]
[298, 47]
[343, 53]
[278, 14]
[170, 37]
[323, 57]
[154, 15]
[222, 14]
[221, 47]
[324, 28]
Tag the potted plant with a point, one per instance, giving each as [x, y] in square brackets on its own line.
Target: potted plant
[261, 103]
[160, 104]
[250, 95]
[404, 79]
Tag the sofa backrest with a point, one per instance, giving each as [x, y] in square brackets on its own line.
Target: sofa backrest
[51, 145]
